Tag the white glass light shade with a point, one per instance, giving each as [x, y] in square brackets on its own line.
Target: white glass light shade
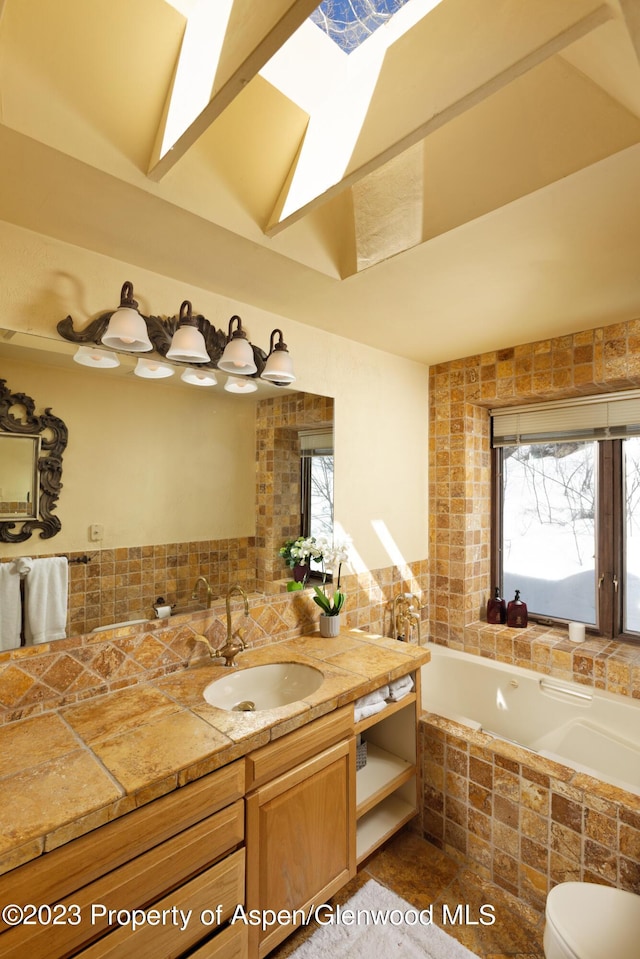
[278, 368]
[153, 369]
[238, 357]
[236, 384]
[188, 346]
[199, 377]
[94, 356]
[127, 330]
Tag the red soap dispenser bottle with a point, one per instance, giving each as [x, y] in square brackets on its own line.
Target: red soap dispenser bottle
[517, 612]
[496, 609]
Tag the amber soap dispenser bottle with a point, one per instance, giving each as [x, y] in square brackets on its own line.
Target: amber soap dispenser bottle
[496, 609]
[517, 612]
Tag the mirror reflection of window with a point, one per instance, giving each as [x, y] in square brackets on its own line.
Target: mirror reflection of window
[316, 450]
[18, 476]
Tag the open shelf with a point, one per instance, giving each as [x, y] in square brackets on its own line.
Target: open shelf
[380, 823]
[389, 710]
[383, 774]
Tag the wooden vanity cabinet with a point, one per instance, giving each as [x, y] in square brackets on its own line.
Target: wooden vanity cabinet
[184, 850]
[300, 823]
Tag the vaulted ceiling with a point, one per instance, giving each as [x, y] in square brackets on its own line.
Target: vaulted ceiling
[467, 178]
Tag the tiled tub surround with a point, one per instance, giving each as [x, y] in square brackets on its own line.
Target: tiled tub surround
[70, 770]
[520, 820]
[597, 662]
[35, 679]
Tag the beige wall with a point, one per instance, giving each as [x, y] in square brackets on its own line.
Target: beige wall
[381, 401]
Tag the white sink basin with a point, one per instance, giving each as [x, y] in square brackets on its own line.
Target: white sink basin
[263, 687]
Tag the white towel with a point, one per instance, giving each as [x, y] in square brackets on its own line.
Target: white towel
[399, 688]
[10, 606]
[377, 696]
[361, 712]
[46, 600]
[22, 565]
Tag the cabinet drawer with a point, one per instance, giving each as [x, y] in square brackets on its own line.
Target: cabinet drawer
[282, 754]
[56, 874]
[140, 881]
[223, 886]
[231, 943]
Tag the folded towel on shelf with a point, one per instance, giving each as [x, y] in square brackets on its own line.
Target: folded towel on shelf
[377, 696]
[10, 606]
[362, 712]
[46, 589]
[399, 688]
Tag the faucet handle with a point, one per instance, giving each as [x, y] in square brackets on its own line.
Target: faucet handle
[198, 638]
[240, 635]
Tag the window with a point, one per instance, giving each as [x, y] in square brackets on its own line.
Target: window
[567, 509]
[316, 485]
[349, 22]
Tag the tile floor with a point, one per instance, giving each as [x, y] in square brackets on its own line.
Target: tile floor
[421, 874]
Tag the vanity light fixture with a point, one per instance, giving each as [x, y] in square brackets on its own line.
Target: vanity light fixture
[238, 353]
[127, 329]
[199, 377]
[279, 367]
[240, 384]
[94, 356]
[187, 343]
[153, 369]
[186, 340]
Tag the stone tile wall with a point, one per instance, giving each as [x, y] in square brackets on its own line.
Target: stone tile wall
[601, 663]
[523, 821]
[116, 585]
[461, 393]
[520, 820]
[36, 678]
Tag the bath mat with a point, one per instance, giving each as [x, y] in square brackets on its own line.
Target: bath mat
[387, 926]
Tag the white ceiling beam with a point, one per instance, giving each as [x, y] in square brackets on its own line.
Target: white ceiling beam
[225, 44]
[364, 160]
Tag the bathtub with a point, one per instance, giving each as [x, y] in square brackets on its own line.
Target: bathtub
[587, 729]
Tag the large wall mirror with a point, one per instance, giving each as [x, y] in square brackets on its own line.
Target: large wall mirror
[31, 448]
[159, 480]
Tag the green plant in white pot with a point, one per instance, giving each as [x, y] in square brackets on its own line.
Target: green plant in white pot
[330, 606]
[331, 603]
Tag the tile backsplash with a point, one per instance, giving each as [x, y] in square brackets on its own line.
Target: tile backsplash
[36, 678]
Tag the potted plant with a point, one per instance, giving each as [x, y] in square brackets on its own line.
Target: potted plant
[297, 553]
[330, 604]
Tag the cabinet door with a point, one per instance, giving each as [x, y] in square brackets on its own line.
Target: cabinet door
[300, 840]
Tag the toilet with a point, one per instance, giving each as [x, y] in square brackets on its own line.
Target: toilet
[588, 921]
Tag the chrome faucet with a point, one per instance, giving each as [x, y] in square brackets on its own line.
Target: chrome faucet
[194, 594]
[235, 642]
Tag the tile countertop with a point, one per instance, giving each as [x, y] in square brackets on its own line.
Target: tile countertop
[68, 771]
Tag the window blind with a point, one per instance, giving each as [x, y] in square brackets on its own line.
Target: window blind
[316, 441]
[609, 416]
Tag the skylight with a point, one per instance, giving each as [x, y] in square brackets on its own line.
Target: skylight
[350, 22]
